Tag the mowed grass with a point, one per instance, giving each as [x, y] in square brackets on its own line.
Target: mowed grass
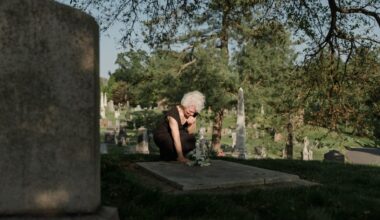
[346, 192]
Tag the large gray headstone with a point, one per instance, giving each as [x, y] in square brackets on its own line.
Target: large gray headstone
[49, 110]
[305, 151]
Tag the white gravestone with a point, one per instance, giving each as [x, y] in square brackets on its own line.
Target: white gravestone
[101, 100]
[305, 150]
[117, 113]
[105, 100]
[111, 106]
[102, 112]
[142, 141]
[138, 108]
[233, 137]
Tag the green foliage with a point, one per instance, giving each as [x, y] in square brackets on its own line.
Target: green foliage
[336, 87]
[210, 75]
[320, 25]
[163, 68]
[148, 119]
[103, 84]
[342, 93]
[125, 81]
[265, 69]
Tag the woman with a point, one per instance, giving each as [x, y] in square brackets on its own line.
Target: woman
[175, 135]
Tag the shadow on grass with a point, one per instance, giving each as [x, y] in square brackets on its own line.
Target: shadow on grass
[348, 192]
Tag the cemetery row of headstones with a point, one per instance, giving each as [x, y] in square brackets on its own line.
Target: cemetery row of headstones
[117, 134]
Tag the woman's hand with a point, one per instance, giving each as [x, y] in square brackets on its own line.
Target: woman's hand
[182, 159]
[191, 120]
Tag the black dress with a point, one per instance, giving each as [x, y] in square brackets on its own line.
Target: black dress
[164, 140]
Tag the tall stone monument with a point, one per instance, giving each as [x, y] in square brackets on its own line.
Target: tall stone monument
[102, 108]
[101, 100]
[240, 149]
[49, 112]
[104, 103]
[105, 100]
[110, 106]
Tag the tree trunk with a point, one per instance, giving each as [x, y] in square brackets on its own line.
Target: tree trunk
[217, 131]
[218, 119]
[334, 93]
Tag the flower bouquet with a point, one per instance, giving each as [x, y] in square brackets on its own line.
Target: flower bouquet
[199, 156]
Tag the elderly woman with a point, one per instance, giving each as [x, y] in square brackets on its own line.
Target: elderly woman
[175, 135]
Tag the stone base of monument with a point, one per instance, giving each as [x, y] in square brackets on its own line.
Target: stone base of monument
[220, 175]
[104, 213]
[240, 155]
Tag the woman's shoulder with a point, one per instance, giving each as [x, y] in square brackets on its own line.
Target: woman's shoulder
[172, 111]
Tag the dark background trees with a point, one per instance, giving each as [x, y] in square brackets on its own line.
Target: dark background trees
[229, 44]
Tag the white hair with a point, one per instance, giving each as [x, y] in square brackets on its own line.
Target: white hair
[195, 98]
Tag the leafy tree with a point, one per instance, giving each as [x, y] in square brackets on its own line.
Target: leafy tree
[149, 78]
[265, 68]
[212, 76]
[119, 92]
[103, 84]
[342, 94]
[330, 30]
[361, 89]
[131, 73]
[204, 20]
[334, 32]
[164, 68]
[338, 25]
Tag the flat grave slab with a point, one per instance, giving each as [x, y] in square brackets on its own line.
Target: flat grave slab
[221, 174]
[364, 155]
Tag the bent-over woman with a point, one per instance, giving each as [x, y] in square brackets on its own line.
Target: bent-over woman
[175, 135]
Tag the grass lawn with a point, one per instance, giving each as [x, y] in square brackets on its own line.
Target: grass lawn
[347, 192]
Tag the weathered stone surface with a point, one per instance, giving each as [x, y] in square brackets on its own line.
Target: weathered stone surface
[49, 109]
[142, 146]
[365, 155]
[221, 174]
[240, 149]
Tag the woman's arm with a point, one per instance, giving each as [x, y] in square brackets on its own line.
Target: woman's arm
[176, 138]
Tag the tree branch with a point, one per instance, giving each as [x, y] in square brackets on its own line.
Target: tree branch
[358, 11]
[184, 66]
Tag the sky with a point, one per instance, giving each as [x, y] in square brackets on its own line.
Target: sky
[109, 48]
